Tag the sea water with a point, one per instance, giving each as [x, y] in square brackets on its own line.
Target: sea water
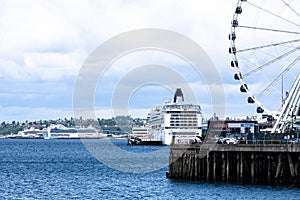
[65, 169]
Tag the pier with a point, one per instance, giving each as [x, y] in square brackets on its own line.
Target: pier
[245, 163]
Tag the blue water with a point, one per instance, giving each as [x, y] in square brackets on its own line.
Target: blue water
[64, 169]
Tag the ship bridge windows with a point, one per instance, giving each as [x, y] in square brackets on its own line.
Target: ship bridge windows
[183, 116]
[189, 120]
[183, 128]
[186, 124]
[181, 112]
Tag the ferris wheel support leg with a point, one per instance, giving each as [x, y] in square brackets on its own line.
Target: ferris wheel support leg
[289, 118]
[289, 107]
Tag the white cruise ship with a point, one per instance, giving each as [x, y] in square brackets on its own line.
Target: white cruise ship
[59, 131]
[176, 121]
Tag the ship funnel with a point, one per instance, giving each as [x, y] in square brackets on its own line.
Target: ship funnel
[178, 97]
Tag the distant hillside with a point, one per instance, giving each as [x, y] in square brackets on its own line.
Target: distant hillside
[119, 123]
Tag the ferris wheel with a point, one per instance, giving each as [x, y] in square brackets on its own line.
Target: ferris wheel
[265, 48]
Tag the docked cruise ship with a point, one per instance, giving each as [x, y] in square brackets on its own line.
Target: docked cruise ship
[176, 122]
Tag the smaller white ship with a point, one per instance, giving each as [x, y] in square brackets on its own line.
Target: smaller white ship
[140, 136]
[30, 133]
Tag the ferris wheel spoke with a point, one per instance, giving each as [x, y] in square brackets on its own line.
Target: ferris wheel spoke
[292, 9]
[278, 77]
[266, 46]
[269, 29]
[271, 62]
[271, 13]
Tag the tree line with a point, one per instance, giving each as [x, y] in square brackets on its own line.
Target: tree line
[118, 123]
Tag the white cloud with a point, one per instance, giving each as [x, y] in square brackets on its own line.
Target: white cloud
[42, 66]
[52, 66]
[22, 114]
[38, 27]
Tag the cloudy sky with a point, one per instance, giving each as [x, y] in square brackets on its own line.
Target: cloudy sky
[44, 44]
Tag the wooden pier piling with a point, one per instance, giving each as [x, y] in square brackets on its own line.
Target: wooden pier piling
[253, 163]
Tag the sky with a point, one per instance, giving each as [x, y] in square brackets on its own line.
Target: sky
[44, 45]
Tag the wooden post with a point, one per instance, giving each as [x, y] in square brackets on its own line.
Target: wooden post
[237, 166]
[186, 165]
[269, 168]
[196, 165]
[223, 166]
[180, 166]
[215, 166]
[227, 167]
[242, 167]
[252, 167]
[203, 167]
[207, 166]
[296, 168]
[192, 163]
[278, 169]
[258, 164]
[175, 167]
[292, 169]
[297, 171]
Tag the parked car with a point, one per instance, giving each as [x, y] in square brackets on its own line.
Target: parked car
[229, 141]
